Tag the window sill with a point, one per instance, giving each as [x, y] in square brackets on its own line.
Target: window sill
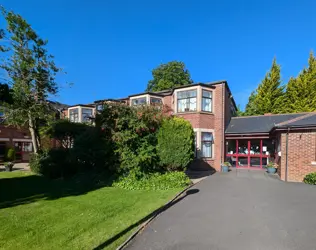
[313, 163]
[195, 112]
[206, 112]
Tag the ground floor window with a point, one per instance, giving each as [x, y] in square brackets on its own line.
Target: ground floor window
[206, 144]
[21, 148]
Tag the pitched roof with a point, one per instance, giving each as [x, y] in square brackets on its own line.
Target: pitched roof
[259, 124]
[303, 121]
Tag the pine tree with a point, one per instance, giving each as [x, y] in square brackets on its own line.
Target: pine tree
[300, 93]
[270, 92]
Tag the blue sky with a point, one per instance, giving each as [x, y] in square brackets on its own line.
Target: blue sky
[109, 47]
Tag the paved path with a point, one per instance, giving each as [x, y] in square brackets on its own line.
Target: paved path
[239, 210]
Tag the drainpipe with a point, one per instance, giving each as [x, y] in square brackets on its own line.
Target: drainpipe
[286, 151]
[223, 118]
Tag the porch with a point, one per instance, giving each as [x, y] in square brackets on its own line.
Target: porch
[251, 152]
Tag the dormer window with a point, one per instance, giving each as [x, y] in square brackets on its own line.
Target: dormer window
[186, 100]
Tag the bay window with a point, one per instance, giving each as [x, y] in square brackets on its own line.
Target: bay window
[155, 101]
[206, 144]
[139, 101]
[74, 115]
[86, 114]
[186, 100]
[206, 100]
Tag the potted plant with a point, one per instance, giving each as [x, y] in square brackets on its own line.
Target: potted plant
[9, 157]
[225, 166]
[272, 168]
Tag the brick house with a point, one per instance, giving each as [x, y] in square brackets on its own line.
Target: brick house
[247, 142]
[20, 138]
[207, 106]
[287, 139]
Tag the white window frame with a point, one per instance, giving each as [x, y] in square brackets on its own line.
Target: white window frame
[183, 90]
[80, 112]
[199, 132]
[147, 99]
[211, 98]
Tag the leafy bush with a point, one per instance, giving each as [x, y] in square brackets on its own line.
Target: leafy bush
[156, 181]
[65, 132]
[175, 143]
[133, 131]
[310, 179]
[53, 164]
[92, 150]
[10, 155]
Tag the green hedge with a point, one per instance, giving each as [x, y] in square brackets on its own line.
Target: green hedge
[175, 143]
[310, 179]
[156, 181]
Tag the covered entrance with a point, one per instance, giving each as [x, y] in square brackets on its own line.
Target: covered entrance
[250, 153]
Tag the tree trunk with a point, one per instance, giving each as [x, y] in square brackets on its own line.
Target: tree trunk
[33, 134]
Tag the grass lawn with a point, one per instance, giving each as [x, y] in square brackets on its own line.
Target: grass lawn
[36, 213]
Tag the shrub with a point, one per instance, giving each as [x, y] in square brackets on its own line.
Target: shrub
[93, 150]
[10, 155]
[310, 179]
[53, 164]
[65, 132]
[156, 181]
[133, 131]
[175, 143]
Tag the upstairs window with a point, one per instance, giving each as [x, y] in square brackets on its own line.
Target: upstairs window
[207, 141]
[99, 107]
[74, 115]
[139, 101]
[186, 100]
[155, 101]
[86, 114]
[206, 100]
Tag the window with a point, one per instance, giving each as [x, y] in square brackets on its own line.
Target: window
[206, 100]
[27, 147]
[86, 114]
[186, 101]
[155, 101]
[207, 141]
[139, 101]
[99, 107]
[74, 115]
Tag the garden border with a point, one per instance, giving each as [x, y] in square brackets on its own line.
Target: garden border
[161, 209]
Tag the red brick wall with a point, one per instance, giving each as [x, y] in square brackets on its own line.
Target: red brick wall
[214, 121]
[301, 153]
[11, 132]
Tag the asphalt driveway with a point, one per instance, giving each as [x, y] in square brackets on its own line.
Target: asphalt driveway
[239, 210]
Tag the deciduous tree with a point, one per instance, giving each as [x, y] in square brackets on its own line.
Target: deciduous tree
[169, 75]
[31, 73]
